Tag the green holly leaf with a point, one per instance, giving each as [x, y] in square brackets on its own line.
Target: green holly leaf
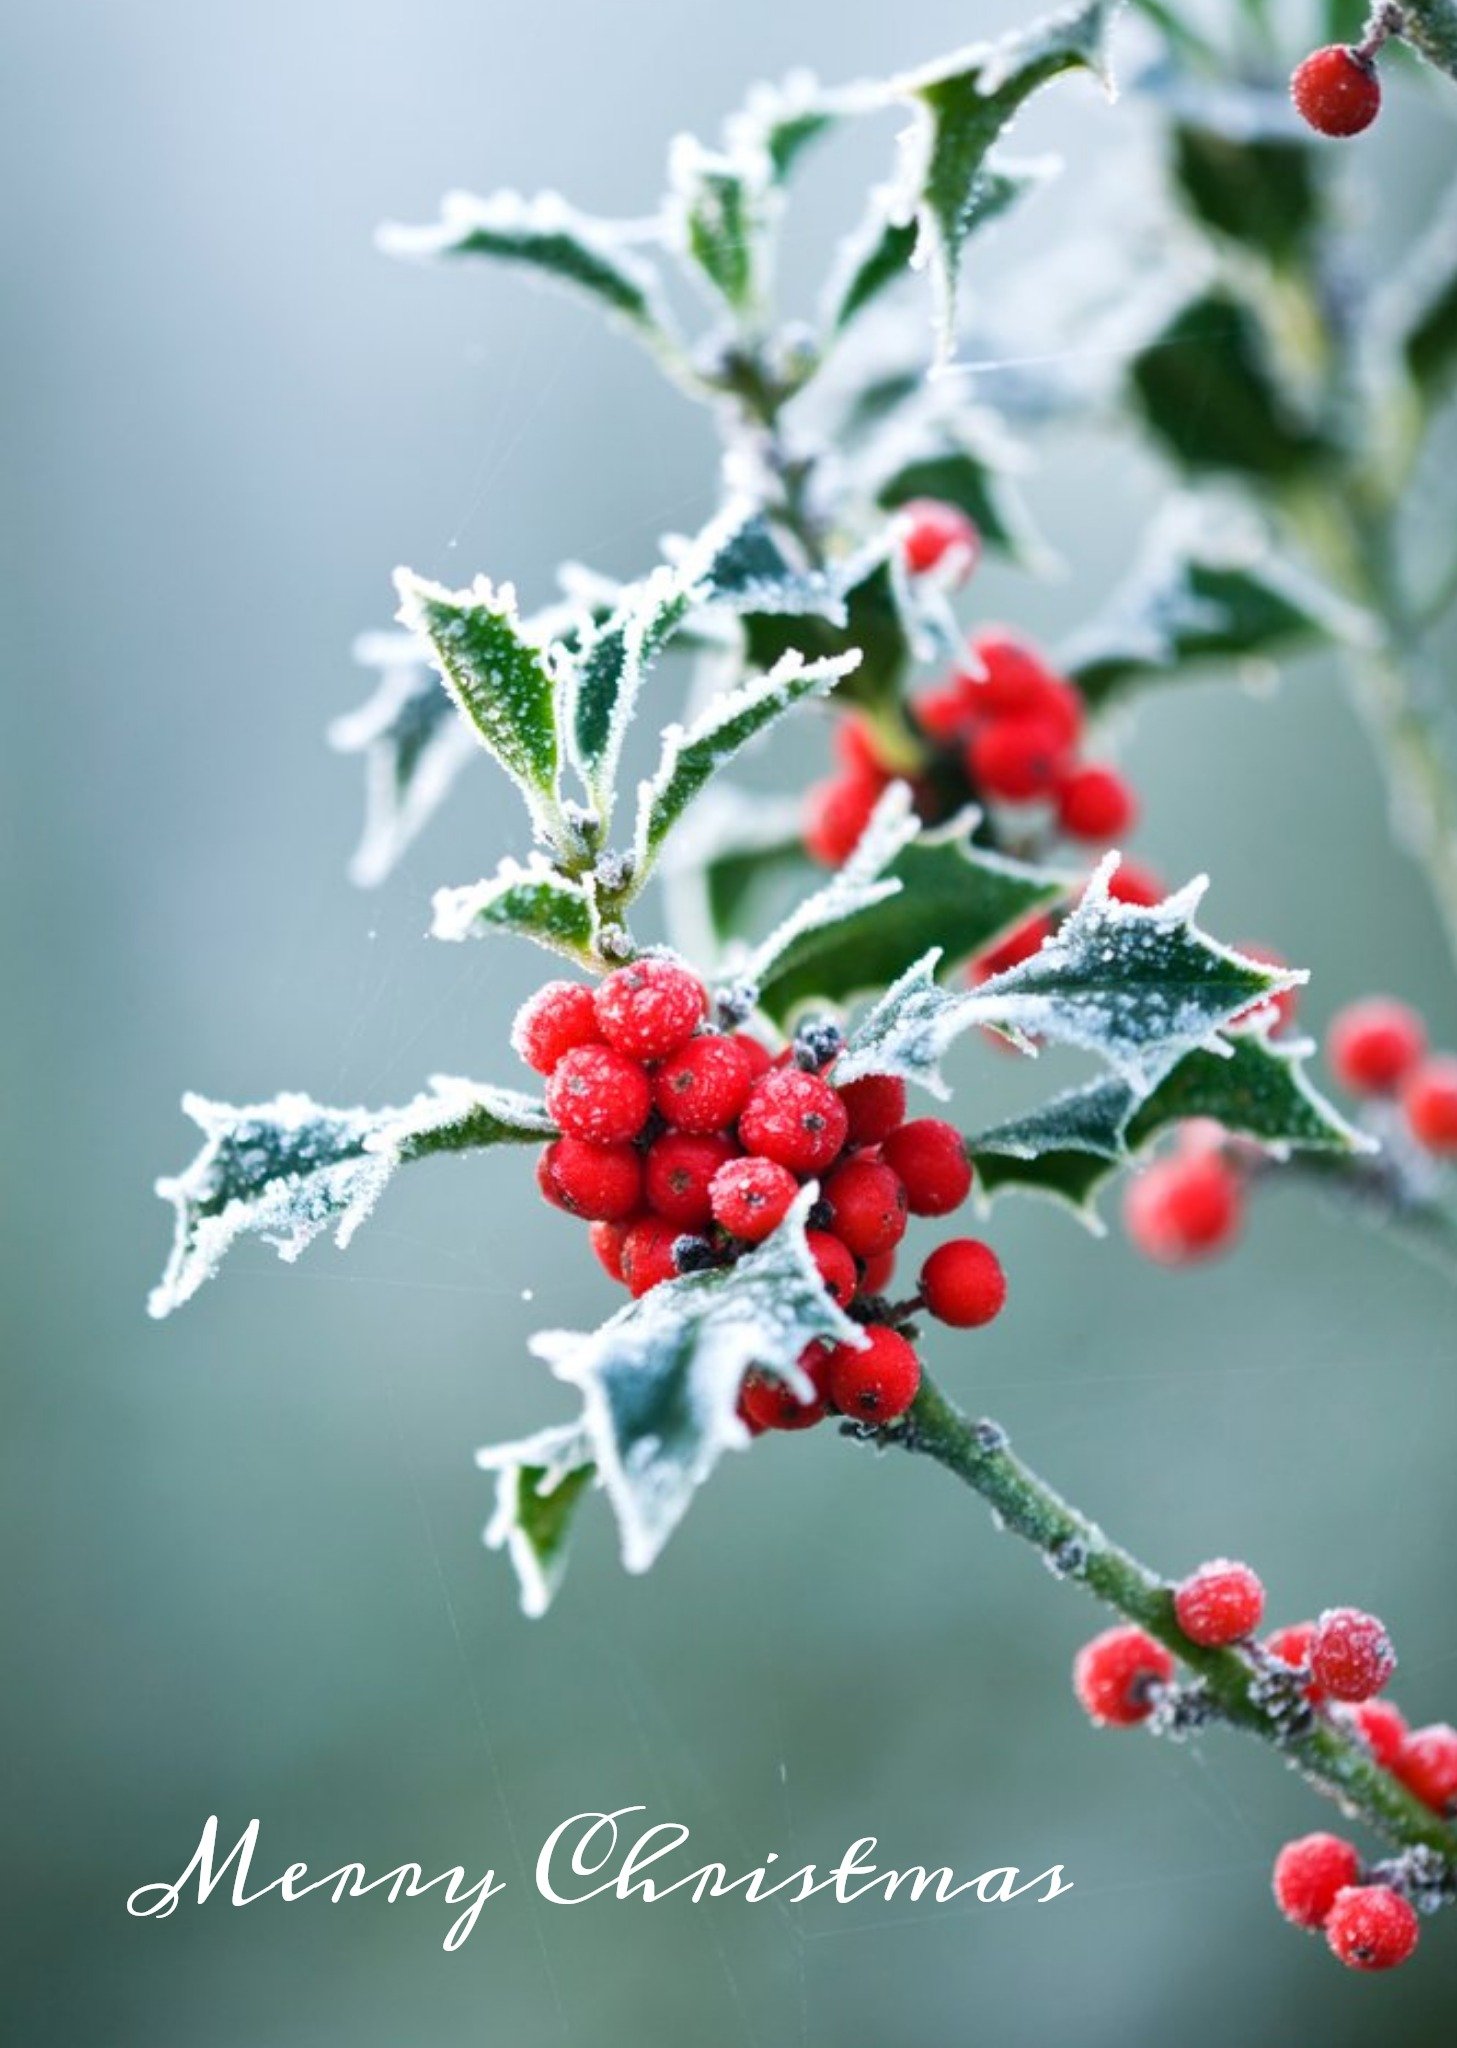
[289, 1169]
[660, 1380]
[962, 105]
[720, 213]
[551, 238]
[531, 900]
[1207, 390]
[1139, 987]
[870, 608]
[963, 461]
[781, 121]
[690, 758]
[501, 681]
[737, 849]
[1430, 26]
[413, 744]
[1245, 172]
[1419, 310]
[1204, 593]
[538, 1485]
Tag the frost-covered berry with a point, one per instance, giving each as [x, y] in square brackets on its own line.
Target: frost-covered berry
[836, 812]
[559, 1016]
[1382, 1727]
[648, 1008]
[1291, 1645]
[1351, 1657]
[1430, 1102]
[1185, 1208]
[1371, 1927]
[930, 1158]
[1016, 759]
[867, 1207]
[878, 1382]
[875, 1105]
[751, 1197]
[759, 1057]
[597, 1093]
[1095, 803]
[1017, 683]
[837, 1267]
[767, 1403]
[1309, 1873]
[600, 1182]
[678, 1172]
[1221, 1602]
[606, 1241]
[704, 1085]
[1427, 1765]
[962, 1283]
[1117, 1675]
[647, 1253]
[1336, 90]
[1130, 882]
[794, 1118]
[939, 536]
[1374, 1044]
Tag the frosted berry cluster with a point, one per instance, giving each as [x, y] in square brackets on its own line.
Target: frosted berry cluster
[1378, 1049]
[682, 1145]
[1335, 1668]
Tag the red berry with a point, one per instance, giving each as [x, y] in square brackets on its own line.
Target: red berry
[796, 1119]
[677, 1174]
[1382, 1727]
[1351, 1657]
[1222, 1602]
[759, 1056]
[1117, 1674]
[650, 1007]
[875, 1105]
[836, 1266]
[544, 1181]
[560, 1015]
[1131, 883]
[1430, 1101]
[767, 1403]
[878, 1273]
[1427, 1766]
[751, 1197]
[1371, 1927]
[601, 1182]
[1291, 1645]
[1185, 1208]
[945, 711]
[836, 812]
[867, 1205]
[1095, 803]
[1019, 945]
[878, 1383]
[1336, 90]
[1015, 681]
[606, 1240]
[939, 534]
[647, 1253]
[1374, 1044]
[598, 1094]
[1309, 1873]
[962, 1283]
[1016, 759]
[931, 1160]
[704, 1085]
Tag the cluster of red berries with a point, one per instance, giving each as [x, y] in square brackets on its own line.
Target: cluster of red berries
[1004, 730]
[1378, 1048]
[1336, 90]
[1340, 1664]
[683, 1145]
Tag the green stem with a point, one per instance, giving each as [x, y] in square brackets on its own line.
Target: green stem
[1234, 1684]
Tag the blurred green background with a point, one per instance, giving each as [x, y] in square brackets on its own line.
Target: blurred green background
[244, 1565]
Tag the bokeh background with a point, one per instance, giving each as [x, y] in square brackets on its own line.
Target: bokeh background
[243, 1563]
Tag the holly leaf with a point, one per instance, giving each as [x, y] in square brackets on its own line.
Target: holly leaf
[962, 105]
[660, 1381]
[720, 211]
[1203, 593]
[1245, 172]
[692, 756]
[538, 1485]
[1207, 390]
[1139, 987]
[870, 608]
[413, 745]
[501, 681]
[1418, 311]
[289, 1169]
[738, 844]
[1430, 26]
[530, 899]
[780, 121]
[550, 238]
[962, 460]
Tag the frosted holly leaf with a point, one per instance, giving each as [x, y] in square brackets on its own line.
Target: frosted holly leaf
[501, 681]
[736, 844]
[889, 619]
[539, 1482]
[413, 745]
[1207, 589]
[720, 210]
[1139, 987]
[962, 105]
[529, 899]
[1416, 315]
[548, 236]
[290, 1169]
[782, 120]
[690, 757]
[660, 1381]
[936, 889]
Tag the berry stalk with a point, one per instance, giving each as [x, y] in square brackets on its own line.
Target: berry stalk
[1232, 1685]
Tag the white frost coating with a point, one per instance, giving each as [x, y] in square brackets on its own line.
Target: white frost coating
[550, 904]
[699, 181]
[860, 883]
[556, 1452]
[414, 746]
[660, 1380]
[725, 820]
